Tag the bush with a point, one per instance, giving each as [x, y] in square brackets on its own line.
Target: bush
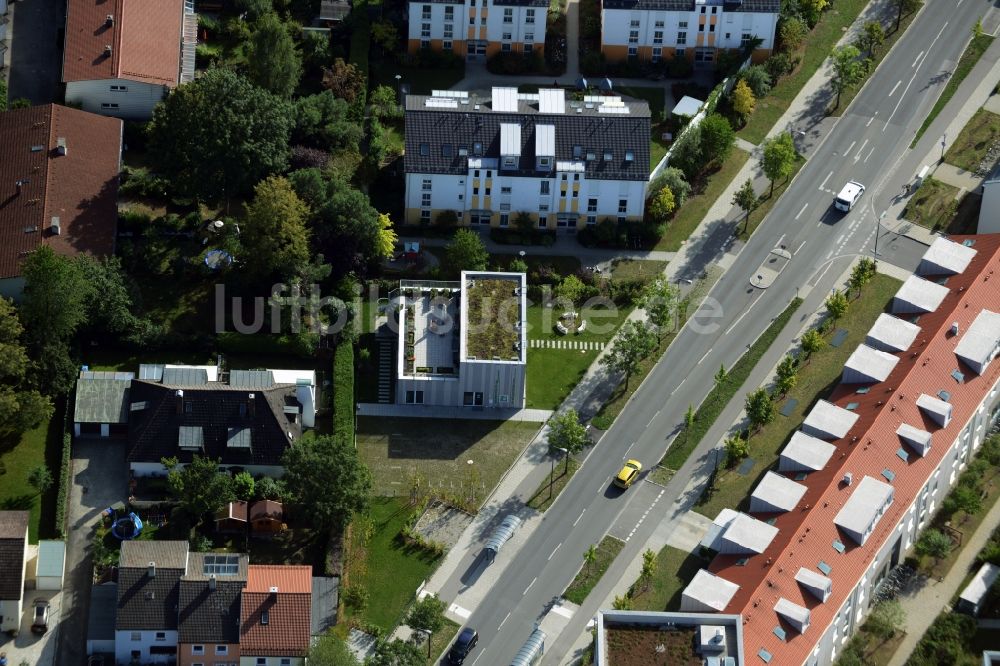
[343, 391]
[304, 157]
[140, 182]
[673, 178]
[506, 236]
[267, 488]
[515, 63]
[778, 65]
[356, 597]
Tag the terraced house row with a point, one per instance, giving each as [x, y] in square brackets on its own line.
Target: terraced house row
[647, 30]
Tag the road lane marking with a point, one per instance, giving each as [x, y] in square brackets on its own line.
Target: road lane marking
[529, 586]
[800, 248]
[871, 119]
[898, 83]
[628, 449]
[823, 184]
[504, 620]
[804, 206]
[459, 611]
[704, 357]
[745, 313]
[851, 147]
[779, 240]
[921, 54]
[654, 418]
[603, 484]
[903, 96]
[579, 517]
[565, 612]
[869, 154]
[861, 150]
[554, 551]
[839, 238]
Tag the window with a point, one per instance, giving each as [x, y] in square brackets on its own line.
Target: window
[188, 407]
[529, 37]
[449, 13]
[446, 150]
[658, 24]
[425, 12]
[425, 44]
[425, 29]
[286, 662]
[714, 9]
[425, 199]
[630, 155]
[591, 220]
[544, 187]
[425, 149]
[426, 185]
[658, 37]
[487, 191]
[634, 23]
[482, 20]
[678, 53]
[657, 53]
[119, 88]
[543, 207]
[161, 635]
[608, 156]
[489, 173]
[591, 205]
[472, 20]
[508, 15]
[529, 16]
[109, 106]
[221, 649]
[477, 149]
[701, 28]
[509, 162]
[622, 205]
[414, 397]
[504, 219]
[702, 10]
[529, 47]
[682, 38]
[577, 152]
[505, 189]
[745, 39]
[447, 44]
[425, 216]
[633, 51]
[448, 31]
[576, 177]
[711, 28]
[197, 649]
[576, 193]
[506, 36]
[265, 617]
[261, 661]
[542, 222]
[136, 636]
[682, 25]
[633, 36]
[475, 190]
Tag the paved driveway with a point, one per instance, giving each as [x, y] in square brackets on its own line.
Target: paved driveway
[100, 478]
[28, 647]
[36, 50]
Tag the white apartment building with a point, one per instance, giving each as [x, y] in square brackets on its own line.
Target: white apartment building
[694, 29]
[477, 28]
[565, 163]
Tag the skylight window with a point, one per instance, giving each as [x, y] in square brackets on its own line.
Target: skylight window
[889, 476]
[824, 567]
[839, 546]
[863, 390]
[957, 375]
[608, 156]
[944, 395]
[629, 156]
[742, 562]
[772, 521]
[852, 405]
[779, 632]
[764, 655]
[446, 149]
[425, 149]
[903, 454]
[801, 476]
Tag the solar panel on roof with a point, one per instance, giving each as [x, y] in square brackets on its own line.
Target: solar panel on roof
[222, 565]
[903, 455]
[779, 632]
[839, 546]
[765, 655]
[889, 476]
[824, 567]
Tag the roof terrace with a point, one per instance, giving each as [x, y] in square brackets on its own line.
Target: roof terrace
[429, 326]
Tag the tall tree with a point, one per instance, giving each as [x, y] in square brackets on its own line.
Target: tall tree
[905, 7]
[323, 121]
[427, 615]
[934, 543]
[347, 229]
[717, 138]
[963, 498]
[327, 478]
[113, 303]
[272, 59]
[345, 80]
[659, 300]
[812, 10]
[871, 38]
[275, 238]
[787, 375]
[836, 305]
[466, 252]
[631, 345]
[571, 289]
[848, 70]
[886, 618]
[779, 158]
[219, 135]
[199, 486]
[743, 100]
[55, 295]
[21, 407]
[759, 408]
[567, 433]
[746, 199]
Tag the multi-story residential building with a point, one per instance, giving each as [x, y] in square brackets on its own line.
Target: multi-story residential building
[13, 561]
[853, 488]
[59, 187]
[149, 574]
[276, 616]
[652, 30]
[463, 344]
[565, 163]
[121, 57]
[478, 28]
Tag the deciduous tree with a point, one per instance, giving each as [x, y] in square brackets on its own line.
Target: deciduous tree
[673, 178]
[244, 486]
[571, 289]
[330, 650]
[396, 653]
[812, 10]
[737, 448]
[963, 498]
[886, 618]
[746, 199]
[199, 486]
[648, 568]
[743, 100]
[383, 102]
[323, 121]
[779, 158]
[812, 341]
[792, 32]
[427, 615]
[760, 408]
[905, 7]
[848, 70]
[861, 274]
[718, 380]
[385, 34]
[567, 433]
[273, 61]
[275, 238]
[717, 138]
[871, 38]
[786, 375]
[759, 80]
[40, 478]
[934, 543]
[345, 80]
[837, 305]
[686, 152]
[466, 252]
[327, 478]
[659, 300]
[590, 556]
[387, 236]
[631, 345]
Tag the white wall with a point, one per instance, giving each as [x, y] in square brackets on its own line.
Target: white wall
[518, 28]
[460, 22]
[495, 26]
[100, 646]
[617, 25]
[137, 101]
[124, 646]
[989, 214]
[10, 614]
[272, 661]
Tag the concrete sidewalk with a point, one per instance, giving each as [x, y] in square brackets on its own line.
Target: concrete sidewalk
[923, 606]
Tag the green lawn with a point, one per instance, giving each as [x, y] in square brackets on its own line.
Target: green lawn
[933, 205]
[657, 149]
[674, 570]
[817, 47]
[589, 575]
[436, 452]
[636, 269]
[383, 565]
[975, 139]
[694, 210]
[547, 494]
[18, 456]
[819, 376]
[421, 80]
[973, 52]
[441, 639]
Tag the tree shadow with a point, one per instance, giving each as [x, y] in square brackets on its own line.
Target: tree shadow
[22, 502]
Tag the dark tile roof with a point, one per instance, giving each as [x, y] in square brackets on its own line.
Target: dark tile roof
[207, 615]
[13, 535]
[146, 603]
[752, 6]
[167, 554]
[103, 607]
[593, 131]
[80, 188]
[215, 408]
[288, 628]
[324, 603]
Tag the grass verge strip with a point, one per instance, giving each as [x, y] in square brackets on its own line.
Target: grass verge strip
[591, 573]
[973, 52]
[768, 200]
[441, 639]
[719, 397]
[548, 492]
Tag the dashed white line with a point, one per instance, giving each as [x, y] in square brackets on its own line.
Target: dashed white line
[861, 150]
[477, 658]
[554, 551]
[921, 55]
[851, 147]
[912, 78]
[839, 238]
[869, 154]
[704, 357]
[603, 483]
[653, 418]
[579, 517]
[529, 586]
[628, 449]
[871, 119]
[800, 247]
[502, 622]
[898, 83]
[823, 184]
[745, 313]
[804, 206]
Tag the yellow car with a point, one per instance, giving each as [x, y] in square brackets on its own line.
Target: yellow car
[629, 473]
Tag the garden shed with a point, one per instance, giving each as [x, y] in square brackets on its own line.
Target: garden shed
[232, 517]
[266, 517]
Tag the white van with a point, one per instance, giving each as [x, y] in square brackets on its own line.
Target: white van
[849, 196]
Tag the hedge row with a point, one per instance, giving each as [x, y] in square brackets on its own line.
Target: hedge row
[360, 46]
[343, 391]
[65, 480]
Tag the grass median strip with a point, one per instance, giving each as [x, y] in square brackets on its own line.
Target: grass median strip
[973, 52]
[816, 378]
[591, 572]
[719, 397]
[548, 491]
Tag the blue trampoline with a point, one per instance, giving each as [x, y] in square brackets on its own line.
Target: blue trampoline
[216, 259]
[127, 527]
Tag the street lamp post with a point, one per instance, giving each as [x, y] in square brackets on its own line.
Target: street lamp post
[944, 139]
[552, 470]
[878, 230]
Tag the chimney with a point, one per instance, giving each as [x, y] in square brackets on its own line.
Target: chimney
[954, 328]
[107, 50]
[848, 478]
[251, 404]
[55, 226]
[211, 582]
[274, 593]
[180, 400]
[110, 20]
[61, 146]
[151, 570]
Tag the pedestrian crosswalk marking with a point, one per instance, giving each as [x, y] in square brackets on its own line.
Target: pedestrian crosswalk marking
[584, 345]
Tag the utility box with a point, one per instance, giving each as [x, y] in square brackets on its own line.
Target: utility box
[924, 170]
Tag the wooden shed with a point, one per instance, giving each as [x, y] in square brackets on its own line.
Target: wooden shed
[266, 517]
[232, 517]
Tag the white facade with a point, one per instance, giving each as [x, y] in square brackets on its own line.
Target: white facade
[10, 614]
[448, 26]
[272, 661]
[145, 646]
[989, 212]
[121, 98]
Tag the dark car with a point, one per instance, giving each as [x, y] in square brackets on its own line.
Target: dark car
[466, 640]
[40, 618]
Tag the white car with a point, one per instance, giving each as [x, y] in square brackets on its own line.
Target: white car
[849, 196]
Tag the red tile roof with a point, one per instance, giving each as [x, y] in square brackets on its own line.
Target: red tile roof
[144, 36]
[806, 534]
[80, 187]
[288, 611]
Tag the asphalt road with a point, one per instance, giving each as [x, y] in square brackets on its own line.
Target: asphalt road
[866, 145]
